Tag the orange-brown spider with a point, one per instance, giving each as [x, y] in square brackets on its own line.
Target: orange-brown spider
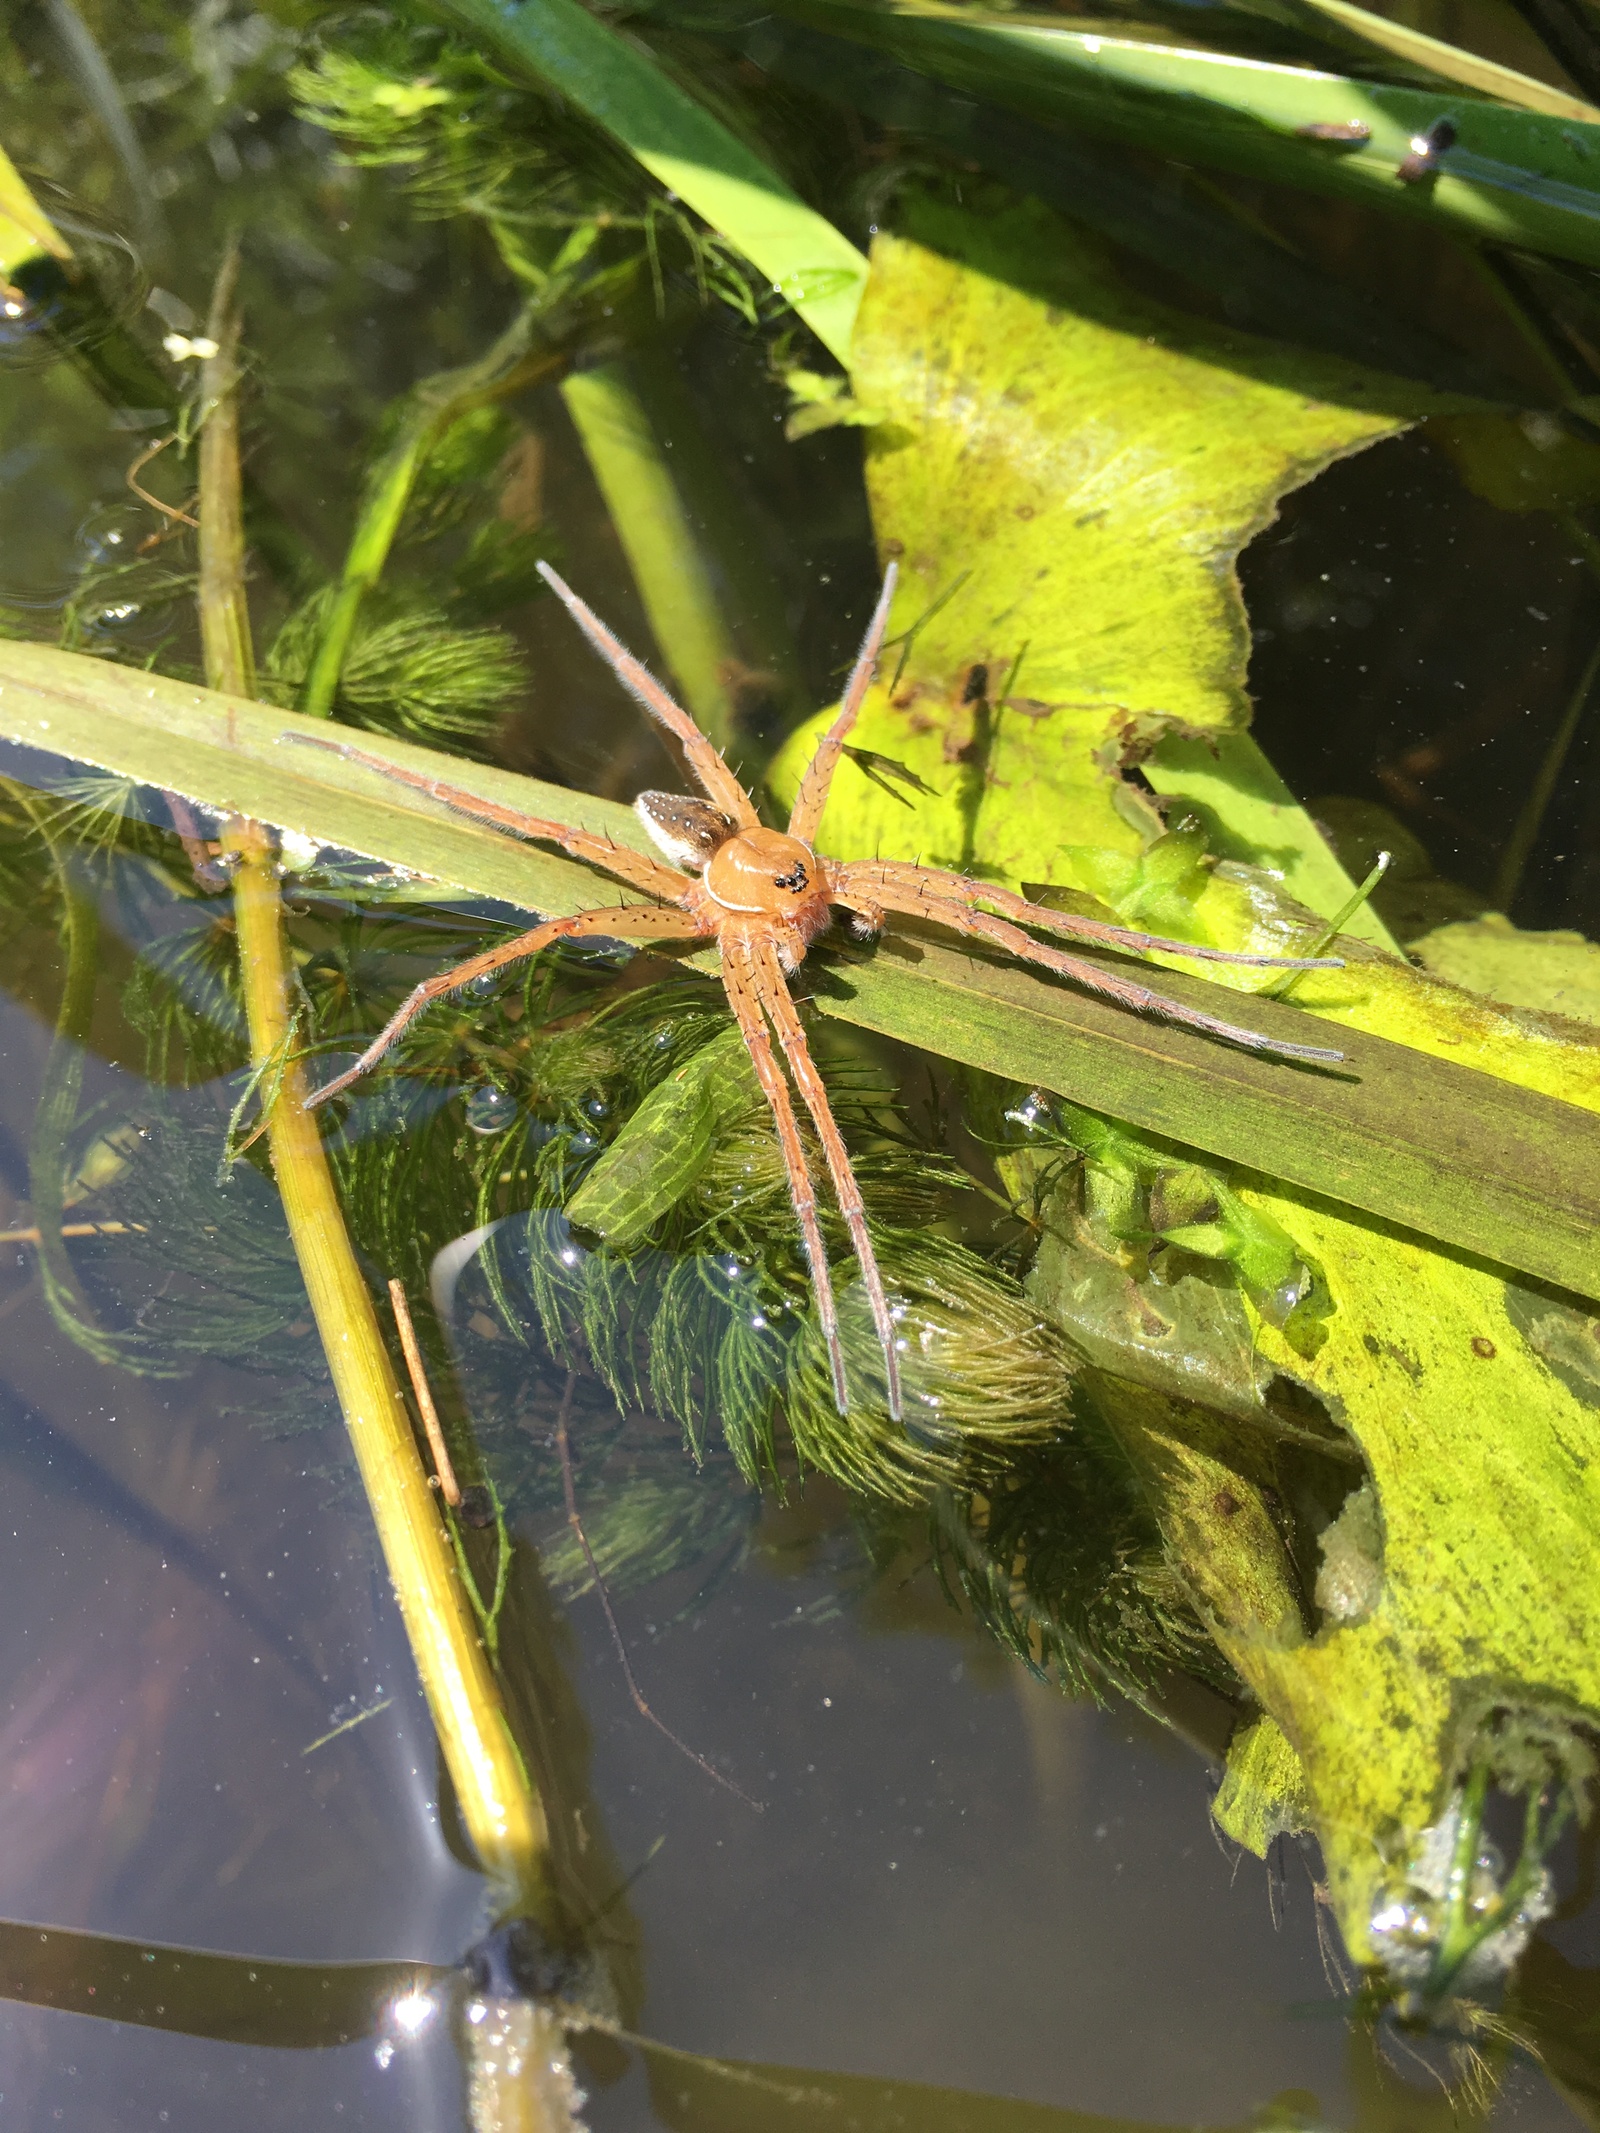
[764, 895]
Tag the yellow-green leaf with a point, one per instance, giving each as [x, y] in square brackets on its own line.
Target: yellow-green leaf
[1067, 474]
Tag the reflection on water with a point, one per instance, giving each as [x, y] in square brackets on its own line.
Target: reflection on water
[956, 1878]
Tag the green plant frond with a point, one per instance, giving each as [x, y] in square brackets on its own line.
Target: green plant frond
[412, 674]
[468, 141]
[1061, 1560]
[184, 997]
[982, 1370]
[198, 1268]
[567, 209]
[645, 1525]
[500, 569]
[456, 471]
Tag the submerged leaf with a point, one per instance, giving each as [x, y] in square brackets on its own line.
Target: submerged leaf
[666, 1144]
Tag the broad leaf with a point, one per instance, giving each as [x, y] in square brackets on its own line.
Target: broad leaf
[1068, 473]
[1093, 465]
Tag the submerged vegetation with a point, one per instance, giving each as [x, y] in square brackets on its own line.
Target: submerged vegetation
[1213, 1363]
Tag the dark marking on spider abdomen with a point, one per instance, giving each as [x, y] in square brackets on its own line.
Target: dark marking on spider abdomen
[687, 830]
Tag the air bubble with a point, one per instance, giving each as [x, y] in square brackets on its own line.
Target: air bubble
[110, 535]
[490, 1110]
[483, 987]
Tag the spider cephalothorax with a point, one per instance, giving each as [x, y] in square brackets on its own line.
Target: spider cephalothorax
[765, 896]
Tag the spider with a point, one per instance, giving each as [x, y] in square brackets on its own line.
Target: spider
[764, 896]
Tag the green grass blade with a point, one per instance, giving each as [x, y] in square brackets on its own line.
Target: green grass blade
[652, 519]
[1464, 1156]
[810, 263]
[1356, 27]
[1514, 176]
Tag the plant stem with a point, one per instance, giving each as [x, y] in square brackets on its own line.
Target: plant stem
[732, 544]
[224, 606]
[438, 402]
[503, 1814]
[653, 525]
[1525, 831]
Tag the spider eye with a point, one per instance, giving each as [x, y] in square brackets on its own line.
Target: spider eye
[796, 879]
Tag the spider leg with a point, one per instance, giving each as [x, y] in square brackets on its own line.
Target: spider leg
[635, 868]
[745, 997]
[779, 1004]
[707, 765]
[638, 919]
[812, 798]
[864, 877]
[1000, 933]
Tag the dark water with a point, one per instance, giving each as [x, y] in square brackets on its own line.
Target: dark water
[959, 1878]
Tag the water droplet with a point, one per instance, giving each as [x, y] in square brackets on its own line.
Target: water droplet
[490, 1110]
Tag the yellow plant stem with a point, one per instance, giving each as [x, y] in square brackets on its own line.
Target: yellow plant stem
[499, 1806]
[503, 1816]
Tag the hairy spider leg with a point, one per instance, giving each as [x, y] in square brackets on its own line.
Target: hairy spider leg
[982, 925]
[637, 869]
[639, 920]
[806, 815]
[744, 991]
[868, 875]
[704, 760]
[786, 1021]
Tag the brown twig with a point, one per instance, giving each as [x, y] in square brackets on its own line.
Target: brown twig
[143, 494]
[444, 1472]
[639, 1704]
[201, 855]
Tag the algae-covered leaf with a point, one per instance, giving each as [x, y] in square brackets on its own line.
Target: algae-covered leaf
[665, 1145]
[1377, 1475]
[1067, 473]
[1558, 971]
